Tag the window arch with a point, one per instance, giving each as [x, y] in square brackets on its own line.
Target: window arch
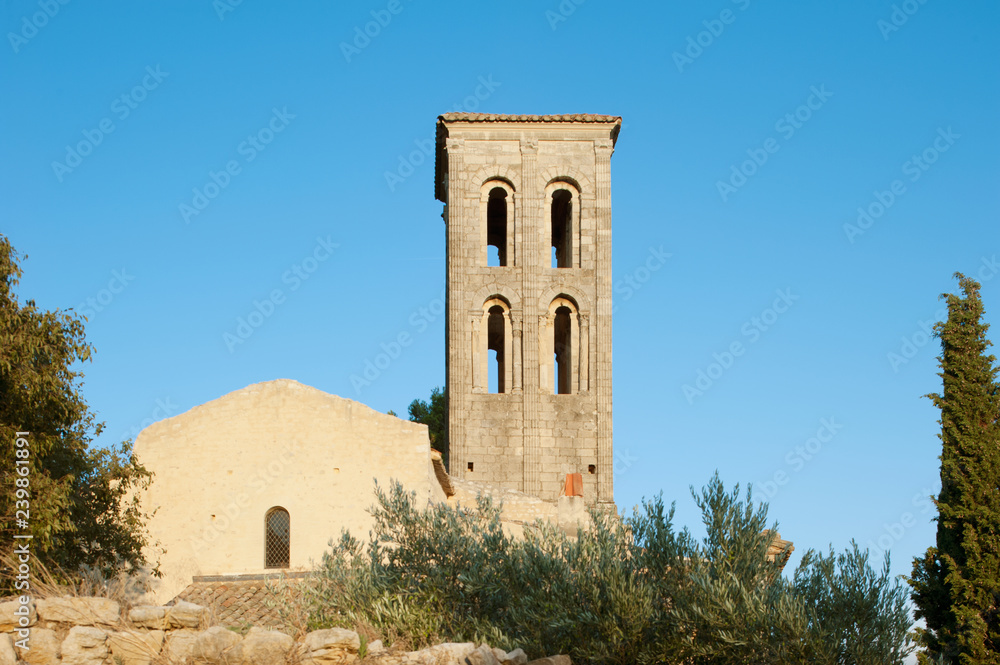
[562, 347]
[496, 332]
[564, 341]
[497, 223]
[277, 538]
[493, 348]
[564, 224]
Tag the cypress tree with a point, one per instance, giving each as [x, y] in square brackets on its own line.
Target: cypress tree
[956, 584]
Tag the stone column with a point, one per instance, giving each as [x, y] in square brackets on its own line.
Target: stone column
[531, 204]
[584, 353]
[602, 322]
[515, 331]
[459, 376]
[508, 364]
[545, 350]
[477, 362]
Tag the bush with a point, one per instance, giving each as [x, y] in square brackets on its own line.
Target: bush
[633, 590]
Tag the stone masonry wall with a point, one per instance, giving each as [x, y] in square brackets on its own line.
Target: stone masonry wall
[96, 631]
[528, 438]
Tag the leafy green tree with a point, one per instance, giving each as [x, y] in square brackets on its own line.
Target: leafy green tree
[956, 584]
[434, 414]
[82, 505]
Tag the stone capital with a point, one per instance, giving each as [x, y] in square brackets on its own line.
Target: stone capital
[604, 147]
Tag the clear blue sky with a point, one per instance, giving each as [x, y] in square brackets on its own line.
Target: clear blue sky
[833, 100]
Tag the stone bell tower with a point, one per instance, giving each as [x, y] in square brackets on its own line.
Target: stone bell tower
[528, 216]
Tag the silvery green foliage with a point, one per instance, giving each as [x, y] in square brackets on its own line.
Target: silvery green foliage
[628, 590]
[861, 616]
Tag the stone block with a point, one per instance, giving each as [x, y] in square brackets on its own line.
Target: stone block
[482, 656]
[10, 615]
[85, 645]
[217, 646]
[185, 615]
[79, 611]
[449, 653]
[136, 647]
[515, 657]
[7, 654]
[44, 647]
[179, 645]
[552, 660]
[149, 616]
[333, 638]
[266, 647]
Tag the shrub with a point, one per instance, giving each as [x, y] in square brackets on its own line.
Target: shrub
[632, 590]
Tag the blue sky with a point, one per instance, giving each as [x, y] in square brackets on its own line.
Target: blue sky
[753, 133]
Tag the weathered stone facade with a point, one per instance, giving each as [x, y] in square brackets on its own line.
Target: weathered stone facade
[223, 468]
[529, 321]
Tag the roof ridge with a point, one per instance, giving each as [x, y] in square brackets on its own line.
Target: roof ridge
[500, 117]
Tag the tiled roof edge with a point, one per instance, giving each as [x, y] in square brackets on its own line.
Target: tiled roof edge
[495, 117]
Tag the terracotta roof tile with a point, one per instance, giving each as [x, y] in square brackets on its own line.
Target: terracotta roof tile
[495, 117]
[235, 601]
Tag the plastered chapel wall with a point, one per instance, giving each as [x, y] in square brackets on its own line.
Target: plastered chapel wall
[221, 466]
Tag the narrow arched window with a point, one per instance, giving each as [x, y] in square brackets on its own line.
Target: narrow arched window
[562, 229]
[563, 351]
[496, 343]
[496, 227]
[277, 538]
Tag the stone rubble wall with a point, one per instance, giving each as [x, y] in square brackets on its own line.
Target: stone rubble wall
[95, 631]
[522, 510]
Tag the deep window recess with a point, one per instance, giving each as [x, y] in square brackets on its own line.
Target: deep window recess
[562, 229]
[563, 349]
[496, 337]
[496, 227]
[277, 538]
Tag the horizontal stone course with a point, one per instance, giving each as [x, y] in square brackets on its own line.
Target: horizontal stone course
[111, 639]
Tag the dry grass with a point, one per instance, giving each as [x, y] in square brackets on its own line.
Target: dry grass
[126, 589]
